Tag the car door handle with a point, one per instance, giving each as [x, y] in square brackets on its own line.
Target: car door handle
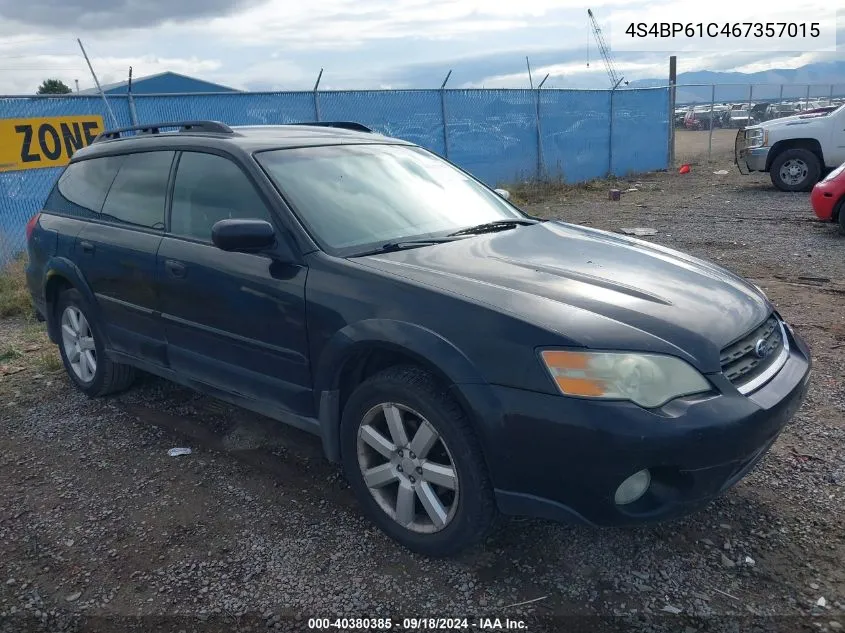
[175, 269]
[87, 247]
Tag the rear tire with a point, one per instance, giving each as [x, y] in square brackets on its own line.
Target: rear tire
[839, 214]
[431, 495]
[795, 170]
[81, 345]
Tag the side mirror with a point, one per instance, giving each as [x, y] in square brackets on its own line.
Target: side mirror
[247, 236]
[504, 193]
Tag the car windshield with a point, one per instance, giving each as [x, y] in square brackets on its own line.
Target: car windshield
[356, 198]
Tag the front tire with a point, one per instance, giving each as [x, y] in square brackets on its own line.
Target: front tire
[795, 170]
[413, 461]
[81, 345]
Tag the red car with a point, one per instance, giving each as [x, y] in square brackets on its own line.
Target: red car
[828, 198]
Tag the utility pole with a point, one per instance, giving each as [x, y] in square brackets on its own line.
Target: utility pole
[97, 81]
[443, 115]
[316, 93]
[130, 100]
[77, 84]
[673, 80]
[673, 74]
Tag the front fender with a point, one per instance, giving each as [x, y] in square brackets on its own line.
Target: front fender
[412, 340]
[809, 143]
[57, 270]
[399, 335]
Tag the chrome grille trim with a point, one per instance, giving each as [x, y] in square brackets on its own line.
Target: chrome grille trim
[739, 361]
[771, 370]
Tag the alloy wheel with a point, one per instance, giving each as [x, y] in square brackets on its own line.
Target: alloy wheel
[78, 343]
[408, 468]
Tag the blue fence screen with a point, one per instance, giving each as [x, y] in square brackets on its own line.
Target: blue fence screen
[500, 136]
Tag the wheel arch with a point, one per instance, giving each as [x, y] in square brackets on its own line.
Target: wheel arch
[810, 144]
[364, 348]
[62, 273]
[838, 208]
[838, 215]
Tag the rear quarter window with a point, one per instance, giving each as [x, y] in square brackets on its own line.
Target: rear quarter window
[83, 186]
[138, 194]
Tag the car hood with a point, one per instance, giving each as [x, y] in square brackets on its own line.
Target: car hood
[798, 119]
[589, 281]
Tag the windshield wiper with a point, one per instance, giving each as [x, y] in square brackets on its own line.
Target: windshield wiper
[403, 244]
[422, 241]
[489, 227]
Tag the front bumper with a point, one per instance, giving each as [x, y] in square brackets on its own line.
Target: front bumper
[749, 159]
[824, 198]
[753, 159]
[563, 458]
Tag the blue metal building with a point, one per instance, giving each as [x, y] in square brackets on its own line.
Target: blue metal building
[161, 83]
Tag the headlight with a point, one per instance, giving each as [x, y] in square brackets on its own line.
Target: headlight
[649, 380]
[755, 138]
[835, 172]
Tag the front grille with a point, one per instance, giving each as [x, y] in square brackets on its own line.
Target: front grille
[750, 356]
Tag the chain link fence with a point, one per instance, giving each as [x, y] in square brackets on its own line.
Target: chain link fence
[713, 108]
[500, 136]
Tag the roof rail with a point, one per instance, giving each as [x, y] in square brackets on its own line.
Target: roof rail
[155, 128]
[346, 125]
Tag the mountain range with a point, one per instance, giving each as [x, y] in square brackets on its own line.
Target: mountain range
[480, 71]
[823, 78]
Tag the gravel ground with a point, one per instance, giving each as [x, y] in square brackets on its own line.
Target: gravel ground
[255, 531]
[693, 145]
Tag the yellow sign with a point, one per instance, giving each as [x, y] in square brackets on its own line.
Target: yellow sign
[45, 142]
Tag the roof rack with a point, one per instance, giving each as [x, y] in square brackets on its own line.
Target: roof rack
[346, 125]
[184, 126]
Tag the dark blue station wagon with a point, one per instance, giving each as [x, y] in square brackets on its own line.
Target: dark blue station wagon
[456, 355]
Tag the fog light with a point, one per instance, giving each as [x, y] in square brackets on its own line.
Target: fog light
[632, 488]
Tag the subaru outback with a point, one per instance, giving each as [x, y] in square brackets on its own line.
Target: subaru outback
[457, 356]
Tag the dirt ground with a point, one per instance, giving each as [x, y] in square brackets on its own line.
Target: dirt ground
[255, 531]
[693, 146]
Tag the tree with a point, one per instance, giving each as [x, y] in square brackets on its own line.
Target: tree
[53, 87]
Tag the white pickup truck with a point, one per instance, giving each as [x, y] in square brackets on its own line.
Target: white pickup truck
[796, 151]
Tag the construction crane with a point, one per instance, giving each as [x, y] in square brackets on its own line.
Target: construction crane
[615, 79]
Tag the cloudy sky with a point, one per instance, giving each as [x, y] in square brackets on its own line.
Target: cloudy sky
[282, 44]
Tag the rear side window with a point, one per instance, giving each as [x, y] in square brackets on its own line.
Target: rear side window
[139, 192]
[209, 188]
[83, 186]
